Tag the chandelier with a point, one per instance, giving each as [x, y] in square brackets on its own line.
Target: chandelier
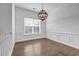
[42, 15]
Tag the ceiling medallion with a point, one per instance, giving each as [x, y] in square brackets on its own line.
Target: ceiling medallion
[42, 15]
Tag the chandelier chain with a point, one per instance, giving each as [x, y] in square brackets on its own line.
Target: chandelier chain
[42, 15]
[42, 6]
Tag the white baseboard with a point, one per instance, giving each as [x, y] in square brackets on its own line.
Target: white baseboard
[12, 47]
[74, 46]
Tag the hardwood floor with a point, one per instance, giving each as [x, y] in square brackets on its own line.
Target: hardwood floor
[43, 47]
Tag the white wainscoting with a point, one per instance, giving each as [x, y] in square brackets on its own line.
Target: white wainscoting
[21, 37]
[0, 47]
[6, 45]
[71, 39]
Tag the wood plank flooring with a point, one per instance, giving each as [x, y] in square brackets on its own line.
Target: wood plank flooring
[43, 47]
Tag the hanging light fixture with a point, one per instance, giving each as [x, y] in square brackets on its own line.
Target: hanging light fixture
[42, 15]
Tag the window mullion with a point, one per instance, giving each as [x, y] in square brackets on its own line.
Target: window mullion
[33, 25]
[32, 29]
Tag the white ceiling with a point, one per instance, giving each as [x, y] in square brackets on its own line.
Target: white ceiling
[38, 6]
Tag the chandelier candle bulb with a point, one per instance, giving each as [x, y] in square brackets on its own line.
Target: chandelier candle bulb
[42, 15]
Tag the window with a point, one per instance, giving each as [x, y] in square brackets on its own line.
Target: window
[32, 26]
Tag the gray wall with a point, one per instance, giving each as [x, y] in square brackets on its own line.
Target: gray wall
[64, 19]
[6, 28]
[19, 26]
[5, 17]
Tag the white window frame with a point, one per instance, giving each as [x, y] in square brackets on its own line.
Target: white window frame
[33, 32]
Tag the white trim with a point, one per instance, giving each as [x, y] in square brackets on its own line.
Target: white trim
[32, 28]
[54, 38]
[32, 34]
[64, 43]
[13, 28]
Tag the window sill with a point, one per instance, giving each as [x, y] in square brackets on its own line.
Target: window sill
[32, 34]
